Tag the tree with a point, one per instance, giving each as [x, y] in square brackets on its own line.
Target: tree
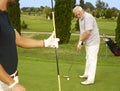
[47, 11]
[63, 17]
[114, 12]
[14, 14]
[101, 5]
[82, 3]
[97, 14]
[73, 3]
[77, 28]
[108, 13]
[117, 32]
[89, 5]
[100, 8]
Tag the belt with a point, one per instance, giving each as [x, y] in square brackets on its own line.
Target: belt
[14, 74]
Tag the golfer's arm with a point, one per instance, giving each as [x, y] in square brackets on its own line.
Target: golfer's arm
[85, 36]
[28, 42]
[5, 77]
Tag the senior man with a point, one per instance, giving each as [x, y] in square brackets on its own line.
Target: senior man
[9, 38]
[89, 35]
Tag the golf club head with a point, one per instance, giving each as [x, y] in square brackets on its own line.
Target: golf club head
[67, 77]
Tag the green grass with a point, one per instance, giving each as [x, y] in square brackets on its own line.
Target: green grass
[107, 26]
[37, 68]
[39, 23]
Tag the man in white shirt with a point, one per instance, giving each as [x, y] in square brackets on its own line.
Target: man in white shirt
[89, 35]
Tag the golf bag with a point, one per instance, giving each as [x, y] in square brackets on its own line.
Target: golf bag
[113, 46]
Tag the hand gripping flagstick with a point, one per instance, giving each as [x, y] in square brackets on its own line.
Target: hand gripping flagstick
[56, 50]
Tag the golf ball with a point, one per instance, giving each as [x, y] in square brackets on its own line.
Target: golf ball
[68, 78]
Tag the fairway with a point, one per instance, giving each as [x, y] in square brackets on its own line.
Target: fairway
[107, 26]
[37, 68]
[40, 24]
[37, 23]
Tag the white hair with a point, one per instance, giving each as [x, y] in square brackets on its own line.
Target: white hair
[77, 8]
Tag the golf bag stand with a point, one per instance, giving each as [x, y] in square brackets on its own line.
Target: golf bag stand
[112, 46]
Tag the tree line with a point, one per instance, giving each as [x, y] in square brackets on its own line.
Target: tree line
[101, 9]
[42, 10]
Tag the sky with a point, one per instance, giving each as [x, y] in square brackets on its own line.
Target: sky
[38, 3]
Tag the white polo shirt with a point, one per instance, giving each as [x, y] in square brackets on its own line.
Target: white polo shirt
[88, 22]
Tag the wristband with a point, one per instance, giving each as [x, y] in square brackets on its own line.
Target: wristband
[12, 85]
[46, 43]
[80, 43]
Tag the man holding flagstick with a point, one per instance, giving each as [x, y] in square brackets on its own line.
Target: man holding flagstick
[9, 39]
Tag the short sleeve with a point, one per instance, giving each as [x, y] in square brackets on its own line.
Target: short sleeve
[88, 23]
